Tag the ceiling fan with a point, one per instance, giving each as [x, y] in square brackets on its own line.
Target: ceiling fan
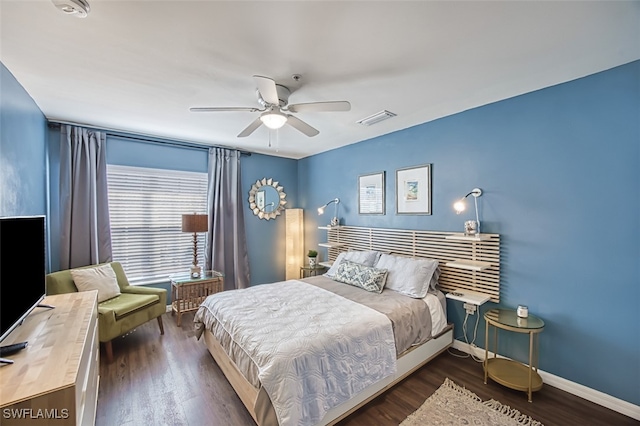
[275, 111]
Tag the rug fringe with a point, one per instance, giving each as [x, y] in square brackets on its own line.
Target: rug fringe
[461, 390]
[516, 415]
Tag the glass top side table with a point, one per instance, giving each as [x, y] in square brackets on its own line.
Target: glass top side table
[507, 372]
[187, 293]
[311, 271]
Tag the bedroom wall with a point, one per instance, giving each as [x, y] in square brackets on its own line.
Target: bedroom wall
[265, 238]
[22, 150]
[560, 169]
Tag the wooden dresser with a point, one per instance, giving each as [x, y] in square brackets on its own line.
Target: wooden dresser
[54, 380]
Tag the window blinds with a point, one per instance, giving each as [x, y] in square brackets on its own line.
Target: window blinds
[145, 209]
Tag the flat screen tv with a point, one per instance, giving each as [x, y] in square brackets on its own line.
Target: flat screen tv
[22, 269]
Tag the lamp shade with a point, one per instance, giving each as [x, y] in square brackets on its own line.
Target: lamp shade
[195, 222]
[294, 239]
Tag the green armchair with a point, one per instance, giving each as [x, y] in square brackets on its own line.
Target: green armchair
[116, 316]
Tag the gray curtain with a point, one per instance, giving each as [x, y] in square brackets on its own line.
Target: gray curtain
[85, 234]
[226, 248]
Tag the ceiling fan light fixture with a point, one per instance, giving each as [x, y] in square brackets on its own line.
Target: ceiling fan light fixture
[273, 119]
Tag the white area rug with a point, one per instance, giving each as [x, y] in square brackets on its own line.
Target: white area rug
[455, 405]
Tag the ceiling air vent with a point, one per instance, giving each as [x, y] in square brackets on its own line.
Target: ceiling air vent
[376, 118]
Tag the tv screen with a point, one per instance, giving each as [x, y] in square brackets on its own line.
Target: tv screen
[22, 269]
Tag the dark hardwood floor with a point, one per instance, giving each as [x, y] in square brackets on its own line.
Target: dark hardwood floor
[172, 380]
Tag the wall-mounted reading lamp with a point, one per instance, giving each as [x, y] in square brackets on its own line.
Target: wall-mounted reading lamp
[470, 227]
[335, 221]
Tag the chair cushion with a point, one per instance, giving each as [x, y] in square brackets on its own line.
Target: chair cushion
[127, 303]
[101, 278]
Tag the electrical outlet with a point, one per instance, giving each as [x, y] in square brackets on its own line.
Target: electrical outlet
[470, 308]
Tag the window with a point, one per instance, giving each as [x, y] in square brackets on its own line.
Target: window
[145, 210]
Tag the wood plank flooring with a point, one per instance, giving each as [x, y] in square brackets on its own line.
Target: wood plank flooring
[172, 380]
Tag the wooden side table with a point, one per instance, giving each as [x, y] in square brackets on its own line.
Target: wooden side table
[188, 293]
[507, 372]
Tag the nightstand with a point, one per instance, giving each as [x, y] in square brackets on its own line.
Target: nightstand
[311, 271]
[188, 293]
[507, 372]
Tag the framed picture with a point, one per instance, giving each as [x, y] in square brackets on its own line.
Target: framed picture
[413, 190]
[371, 193]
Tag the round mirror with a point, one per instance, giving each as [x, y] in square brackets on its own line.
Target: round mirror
[266, 199]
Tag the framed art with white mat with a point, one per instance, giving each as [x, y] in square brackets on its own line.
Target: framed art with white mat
[413, 190]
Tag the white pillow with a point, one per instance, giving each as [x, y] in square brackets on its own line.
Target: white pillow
[366, 258]
[408, 275]
[101, 278]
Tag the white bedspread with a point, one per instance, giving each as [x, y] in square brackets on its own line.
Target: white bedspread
[314, 349]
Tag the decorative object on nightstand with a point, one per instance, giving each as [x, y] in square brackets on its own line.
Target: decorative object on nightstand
[195, 223]
[522, 311]
[471, 227]
[294, 236]
[187, 293]
[312, 255]
[508, 372]
[334, 221]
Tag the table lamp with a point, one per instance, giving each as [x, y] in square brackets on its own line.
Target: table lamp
[195, 223]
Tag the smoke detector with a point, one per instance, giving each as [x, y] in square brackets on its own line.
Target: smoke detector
[77, 8]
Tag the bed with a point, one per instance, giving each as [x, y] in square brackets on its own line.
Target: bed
[311, 351]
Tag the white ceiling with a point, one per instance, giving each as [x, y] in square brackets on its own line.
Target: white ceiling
[137, 66]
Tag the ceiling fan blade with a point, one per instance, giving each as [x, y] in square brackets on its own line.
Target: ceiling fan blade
[250, 128]
[321, 106]
[267, 89]
[223, 109]
[301, 126]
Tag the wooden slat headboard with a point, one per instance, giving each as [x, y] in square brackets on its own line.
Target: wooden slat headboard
[477, 261]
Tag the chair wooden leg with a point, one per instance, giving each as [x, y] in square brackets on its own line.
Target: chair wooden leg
[109, 350]
[160, 324]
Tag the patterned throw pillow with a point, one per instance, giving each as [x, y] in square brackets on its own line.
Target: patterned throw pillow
[358, 275]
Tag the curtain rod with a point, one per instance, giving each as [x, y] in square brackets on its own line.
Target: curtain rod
[146, 138]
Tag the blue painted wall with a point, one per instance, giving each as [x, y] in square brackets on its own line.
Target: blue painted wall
[265, 238]
[560, 170]
[22, 150]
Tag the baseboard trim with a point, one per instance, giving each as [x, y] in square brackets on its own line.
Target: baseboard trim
[597, 397]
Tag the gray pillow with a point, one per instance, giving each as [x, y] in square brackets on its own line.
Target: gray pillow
[358, 275]
[410, 276]
[366, 258]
